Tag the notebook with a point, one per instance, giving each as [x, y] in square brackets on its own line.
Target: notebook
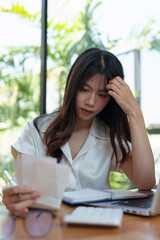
[92, 195]
[149, 206]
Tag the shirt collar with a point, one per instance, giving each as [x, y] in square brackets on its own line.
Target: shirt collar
[44, 123]
[98, 127]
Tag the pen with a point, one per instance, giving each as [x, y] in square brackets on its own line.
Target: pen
[10, 179]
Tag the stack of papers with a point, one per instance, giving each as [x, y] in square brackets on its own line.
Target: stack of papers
[45, 176]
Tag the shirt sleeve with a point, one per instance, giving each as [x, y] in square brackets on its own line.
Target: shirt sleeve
[25, 143]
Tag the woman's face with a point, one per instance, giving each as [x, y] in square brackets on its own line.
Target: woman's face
[92, 98]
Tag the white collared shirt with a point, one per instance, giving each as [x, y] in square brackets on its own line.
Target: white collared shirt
[91, 166]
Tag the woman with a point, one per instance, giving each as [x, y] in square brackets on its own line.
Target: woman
[99, 128]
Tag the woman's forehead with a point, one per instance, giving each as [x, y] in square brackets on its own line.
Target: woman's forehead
[98, 81]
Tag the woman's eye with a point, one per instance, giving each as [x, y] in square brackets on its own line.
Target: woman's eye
[84, 90]
[103, 95]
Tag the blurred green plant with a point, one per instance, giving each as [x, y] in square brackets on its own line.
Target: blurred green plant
[19, 10]
[147, 36]
[153, 130]
[120, 181]
[19, 92]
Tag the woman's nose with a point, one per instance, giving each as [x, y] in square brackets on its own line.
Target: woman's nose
[91, 100]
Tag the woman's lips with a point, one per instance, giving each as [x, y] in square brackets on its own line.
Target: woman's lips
[85, 111]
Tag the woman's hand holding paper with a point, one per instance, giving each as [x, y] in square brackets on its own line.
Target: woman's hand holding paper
[17, 199]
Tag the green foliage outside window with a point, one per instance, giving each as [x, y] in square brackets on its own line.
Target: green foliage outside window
[19, 91]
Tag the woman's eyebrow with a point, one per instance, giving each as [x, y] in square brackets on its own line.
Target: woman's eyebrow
[100, 90]
[86, 85]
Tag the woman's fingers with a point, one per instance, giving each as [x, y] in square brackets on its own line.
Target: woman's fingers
[117, 85]
[21, 213]
[112, 87]
[18, 199]
[21, 207]
[122, 94]
[8, 191]
[14, 198]
[117, 81]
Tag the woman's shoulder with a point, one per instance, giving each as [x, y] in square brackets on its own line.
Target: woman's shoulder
[43, 122]
[40, 123]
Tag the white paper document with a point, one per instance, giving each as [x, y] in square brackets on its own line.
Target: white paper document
[45, 176]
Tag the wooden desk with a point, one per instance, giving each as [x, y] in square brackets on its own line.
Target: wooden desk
[133, 228]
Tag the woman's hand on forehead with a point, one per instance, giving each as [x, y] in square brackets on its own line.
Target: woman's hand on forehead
[122, 94]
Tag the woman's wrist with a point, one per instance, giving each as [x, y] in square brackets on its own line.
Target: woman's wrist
[136, 115]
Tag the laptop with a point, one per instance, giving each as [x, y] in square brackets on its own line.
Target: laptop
[149, 206]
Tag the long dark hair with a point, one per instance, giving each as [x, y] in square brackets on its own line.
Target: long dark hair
[89, 63]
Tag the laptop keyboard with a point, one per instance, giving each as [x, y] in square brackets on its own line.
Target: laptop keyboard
[143, 203]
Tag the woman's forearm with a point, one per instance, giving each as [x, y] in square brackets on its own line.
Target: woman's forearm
[143, 167]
